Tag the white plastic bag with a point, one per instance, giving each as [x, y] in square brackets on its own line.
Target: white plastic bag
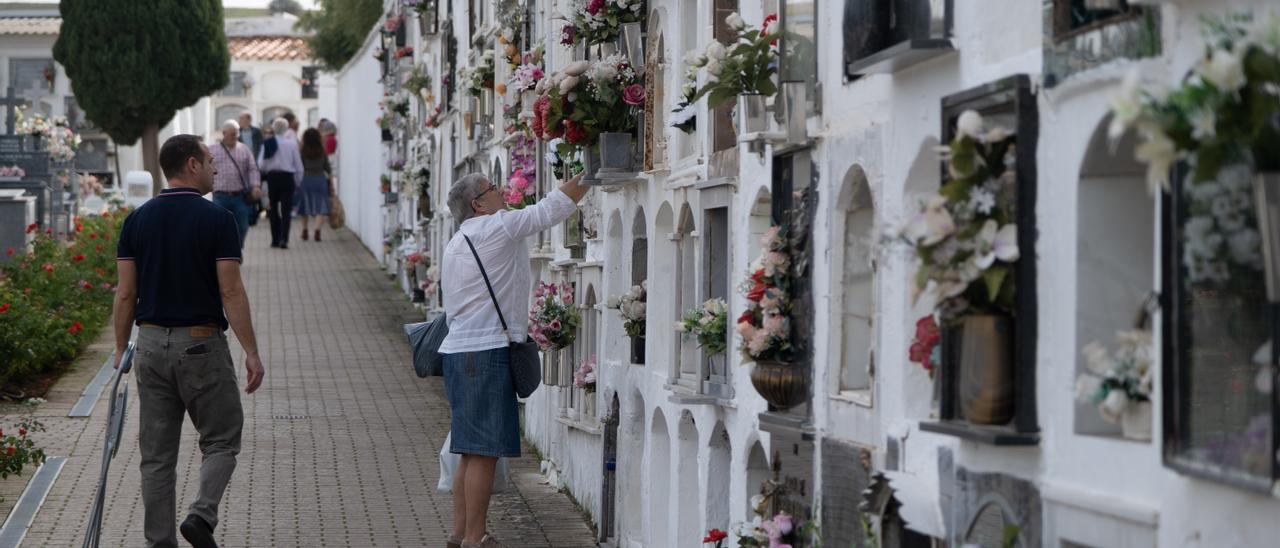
[449, 462]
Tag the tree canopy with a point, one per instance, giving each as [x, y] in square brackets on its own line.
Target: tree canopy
[285, 6]
[339, 28]
[133, 64]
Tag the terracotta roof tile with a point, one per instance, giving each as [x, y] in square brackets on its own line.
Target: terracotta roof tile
[30, 25]
[268, 48]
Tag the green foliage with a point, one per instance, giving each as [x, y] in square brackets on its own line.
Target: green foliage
[285, 6]
[133, 64]
[747, 67]
[709, 323]
[17, 449]
[55, 297]
[339, 28]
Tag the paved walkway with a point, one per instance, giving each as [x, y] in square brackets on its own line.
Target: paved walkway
[340, 443]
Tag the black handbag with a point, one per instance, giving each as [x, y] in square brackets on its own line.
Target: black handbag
[524, 363]
[425, 339]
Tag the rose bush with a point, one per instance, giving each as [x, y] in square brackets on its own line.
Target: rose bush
[56, 296]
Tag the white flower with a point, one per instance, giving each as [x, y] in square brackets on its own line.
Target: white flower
[735, 22]
[692, 57]
[1086, 387]
[716, 50]
[1095, 356]
[1224, 70]
[1244, 246]
[982, 200]
[613, 302]
[714, 68]
[932, 224]
[970, 124]
[1126, 106]
[1115, 404]
[1204, 124]
[992, 244]
[1159, 152]
[568, 84]
[684, 115]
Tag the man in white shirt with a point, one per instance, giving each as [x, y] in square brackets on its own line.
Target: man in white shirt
[281, 167]
[485, 422]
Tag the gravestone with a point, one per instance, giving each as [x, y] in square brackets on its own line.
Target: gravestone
[137, 188]
[17, 211]
[34, 163]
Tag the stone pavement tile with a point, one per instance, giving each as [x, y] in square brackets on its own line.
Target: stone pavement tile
[340, 443]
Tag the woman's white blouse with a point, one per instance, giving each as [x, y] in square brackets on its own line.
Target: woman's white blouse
[500, 240]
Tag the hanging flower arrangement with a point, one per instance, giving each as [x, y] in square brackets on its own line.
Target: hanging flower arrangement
[708, 323]
[745, 66]
[765, 327]
[480, 77]
[418, 83]
[1219, 115]
[631, 306]
[600, 21]
[585, 376]
[586, 99]
[1115, 380]
[553, 321]
[510, 23]
[965, 235]
[403, 52]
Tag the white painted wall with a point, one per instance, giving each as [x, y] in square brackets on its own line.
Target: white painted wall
[360, 151]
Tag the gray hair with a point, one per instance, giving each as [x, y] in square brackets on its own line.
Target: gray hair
[461, 194]
[280, 126]
[231, 124]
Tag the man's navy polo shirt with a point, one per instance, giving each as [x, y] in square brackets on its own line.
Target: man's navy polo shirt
[176, 239]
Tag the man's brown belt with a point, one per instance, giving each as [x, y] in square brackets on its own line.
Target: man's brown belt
[197, 331]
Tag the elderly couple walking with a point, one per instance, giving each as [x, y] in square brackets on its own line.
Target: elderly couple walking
[178, 261]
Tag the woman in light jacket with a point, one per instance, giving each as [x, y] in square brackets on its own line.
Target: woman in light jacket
[477, 379]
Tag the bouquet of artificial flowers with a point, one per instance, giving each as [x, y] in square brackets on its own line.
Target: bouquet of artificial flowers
[585, 376]
[631, 306]
[600, 21]
[1115, 380]
[708, 323]
[765, 327]
[553, 321]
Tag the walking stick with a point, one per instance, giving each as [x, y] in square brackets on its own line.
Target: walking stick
[115, 429]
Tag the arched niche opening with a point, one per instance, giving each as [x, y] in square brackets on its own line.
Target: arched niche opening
[227, 112]
[659, 480]
[639, 275]
[718, 478]
[855, 265]
[664, 306]
[1115, 253]
[757, 473]
[688, 500]
[759, 219]
[686, 290]
[655, 106]
[631, 460]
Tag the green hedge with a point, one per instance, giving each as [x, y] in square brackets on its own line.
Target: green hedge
[56, 296]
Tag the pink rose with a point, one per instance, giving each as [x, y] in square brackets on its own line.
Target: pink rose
[594, 6]
[633, 95]
[555, 325]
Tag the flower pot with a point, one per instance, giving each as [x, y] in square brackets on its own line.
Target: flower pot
[637, 350]
[615, 156]
[985, 374]
[590, 164]
[784, 385]
[588, 404]
[486, 105]
[1266, 188]
[605, 49]
[427, 20]
[1135, 422]
[750, 114]
[527, 98]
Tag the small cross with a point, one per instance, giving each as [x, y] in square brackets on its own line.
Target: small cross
[9, 101]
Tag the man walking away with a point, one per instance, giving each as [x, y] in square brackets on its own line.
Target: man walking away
[235, 186]
[178, 261]
[283, 172]
[251, 136]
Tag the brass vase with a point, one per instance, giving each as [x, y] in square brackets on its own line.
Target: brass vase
[784, 385]
[985, 375]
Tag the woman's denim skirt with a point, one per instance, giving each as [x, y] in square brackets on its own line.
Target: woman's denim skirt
[483, 399]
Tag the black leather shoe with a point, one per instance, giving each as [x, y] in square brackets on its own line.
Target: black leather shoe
[274, 244]
[284, 246]
[198, 532]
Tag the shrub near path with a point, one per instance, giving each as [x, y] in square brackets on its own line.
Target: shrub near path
[55, 297]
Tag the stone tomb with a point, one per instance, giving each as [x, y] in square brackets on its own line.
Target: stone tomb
[17, 211]
[36, 181]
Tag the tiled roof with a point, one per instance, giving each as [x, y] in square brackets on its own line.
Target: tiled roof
[268, 48]
[30, 25]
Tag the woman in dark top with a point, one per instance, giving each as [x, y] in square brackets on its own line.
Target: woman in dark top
[316, 185]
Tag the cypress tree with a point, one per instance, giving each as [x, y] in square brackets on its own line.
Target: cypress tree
[134, 63]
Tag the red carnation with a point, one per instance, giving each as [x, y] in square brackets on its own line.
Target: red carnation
[715, 535]
[79, 227]
[758, 276]
[747, 317]
[574, 133]
[10, 450]
[594, 6]
[757, 292]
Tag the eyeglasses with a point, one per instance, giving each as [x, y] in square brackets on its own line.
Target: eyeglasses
[486, 191]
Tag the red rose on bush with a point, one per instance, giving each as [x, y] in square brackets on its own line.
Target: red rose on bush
[75, 328]
[48, 267]
[77, 258]
[4, 308]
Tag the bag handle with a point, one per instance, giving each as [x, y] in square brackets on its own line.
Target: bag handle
[488, 285]
[244, 183]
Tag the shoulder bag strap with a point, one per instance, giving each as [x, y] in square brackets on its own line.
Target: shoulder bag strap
[243, 182]
[492, 296]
